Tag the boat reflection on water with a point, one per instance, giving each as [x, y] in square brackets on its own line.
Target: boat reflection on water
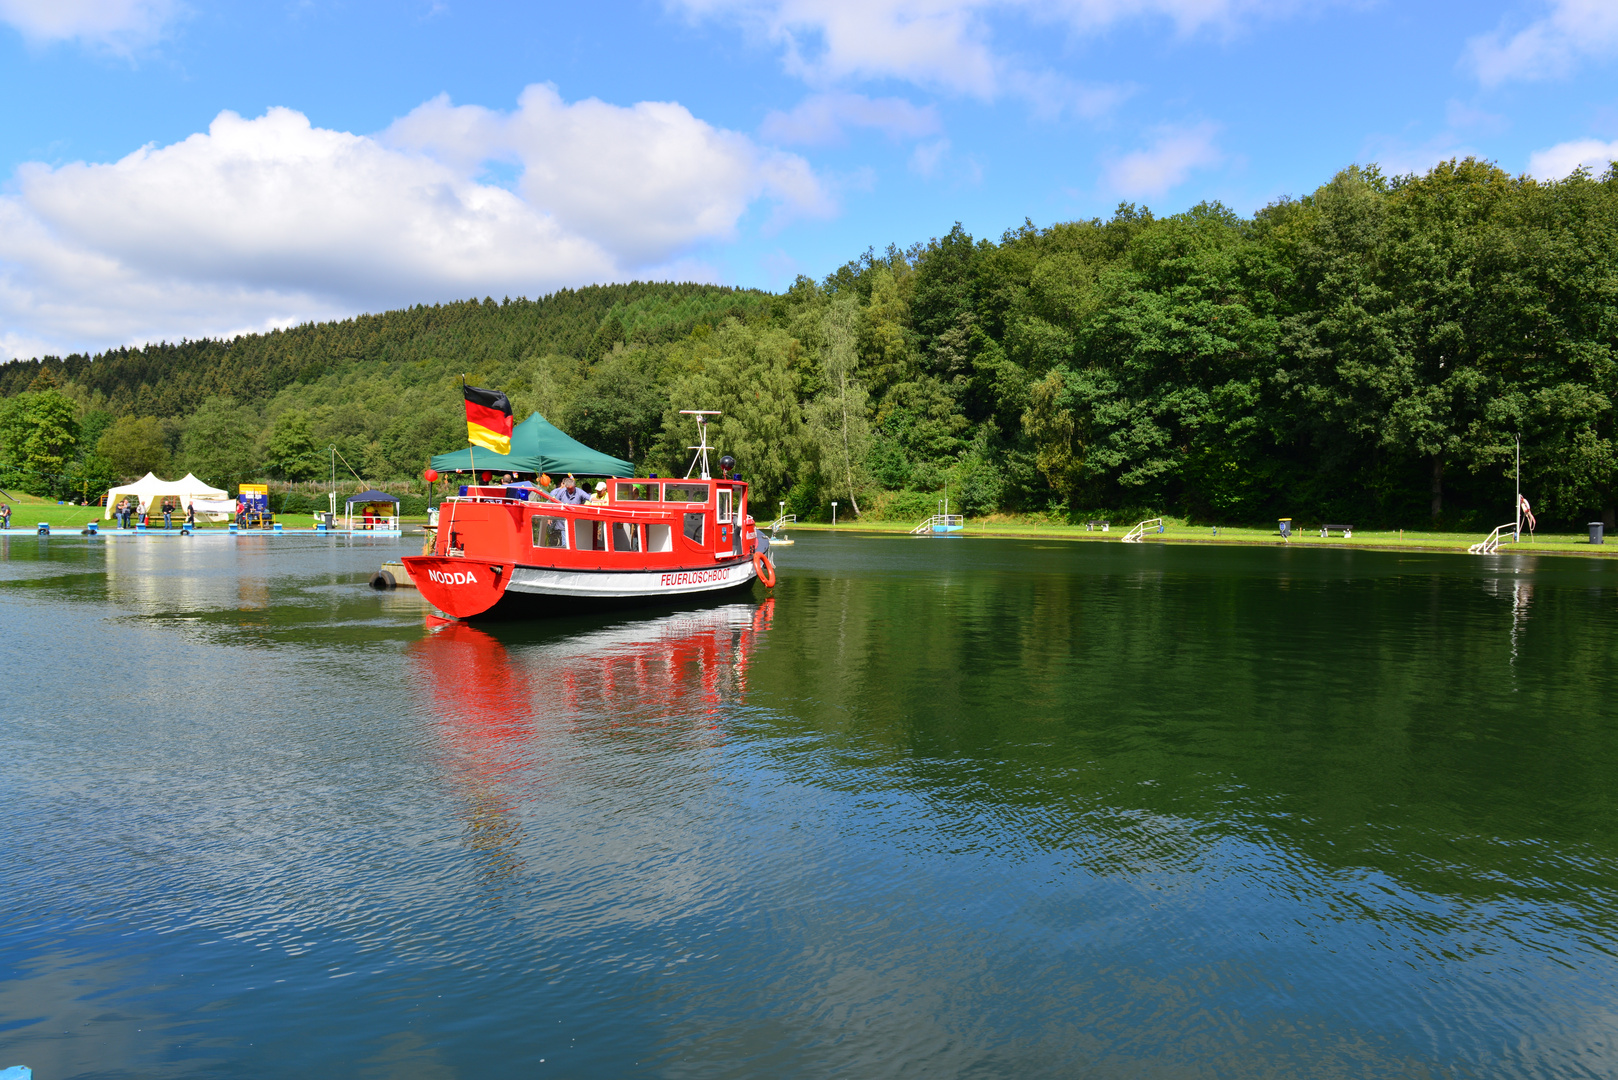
[514, 720]
[483, 705]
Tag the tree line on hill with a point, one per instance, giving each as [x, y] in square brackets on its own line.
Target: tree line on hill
[1370, 353]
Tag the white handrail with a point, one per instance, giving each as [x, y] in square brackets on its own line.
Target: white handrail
[782, 522]
[940, 523]
[1138, 533]
[1491, 544]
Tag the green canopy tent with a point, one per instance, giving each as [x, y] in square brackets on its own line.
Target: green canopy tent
[536, 447]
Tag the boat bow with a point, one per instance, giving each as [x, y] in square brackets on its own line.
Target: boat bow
[462, 587]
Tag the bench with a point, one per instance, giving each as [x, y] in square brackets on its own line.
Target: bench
[1346, 530]
[1091, 526]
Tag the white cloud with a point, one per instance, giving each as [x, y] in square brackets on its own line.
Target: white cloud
[1461, 117]
[822, 119]
[116, 24]
[946, 44]
[1550, 47]
[936, 160]
[262, 222]
[1054, 96]
[1556, 162]
[1399, 157]
[645, 180]
[1165, 164]
[925, 159]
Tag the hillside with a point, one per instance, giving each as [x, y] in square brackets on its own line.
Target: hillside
[1367, 353]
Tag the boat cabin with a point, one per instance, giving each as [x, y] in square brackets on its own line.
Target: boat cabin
[643, 523]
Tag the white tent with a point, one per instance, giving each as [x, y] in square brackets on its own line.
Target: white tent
[207, 499]
[189, 490]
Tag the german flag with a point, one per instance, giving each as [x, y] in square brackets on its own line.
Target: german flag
[488, 419]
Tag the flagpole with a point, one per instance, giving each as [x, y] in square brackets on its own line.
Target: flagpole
[472, 449]
[1517, 506]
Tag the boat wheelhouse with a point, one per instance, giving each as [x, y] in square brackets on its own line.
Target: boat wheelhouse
[516, 549]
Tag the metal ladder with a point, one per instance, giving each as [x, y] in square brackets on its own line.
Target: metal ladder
[1492, 543]
[939, 523]
[1138, 533]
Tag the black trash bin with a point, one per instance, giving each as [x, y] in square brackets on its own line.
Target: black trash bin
[1598, 532]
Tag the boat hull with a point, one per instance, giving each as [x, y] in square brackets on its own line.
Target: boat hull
[475, 588]
[464, 588]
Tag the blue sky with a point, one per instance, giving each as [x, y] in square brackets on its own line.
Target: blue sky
[181, 168]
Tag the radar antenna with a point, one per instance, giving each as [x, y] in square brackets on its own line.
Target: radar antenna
[701, 458]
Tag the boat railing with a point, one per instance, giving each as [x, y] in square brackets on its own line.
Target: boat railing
[1491, 544]
[782, 522]
[1138, 533]
[940, 523]
[551, 506]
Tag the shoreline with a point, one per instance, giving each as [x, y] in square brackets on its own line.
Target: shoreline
[70, 519]
[1570, 544]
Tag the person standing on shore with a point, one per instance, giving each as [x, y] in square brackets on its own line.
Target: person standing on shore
[5, 515]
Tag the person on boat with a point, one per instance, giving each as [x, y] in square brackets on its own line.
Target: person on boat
[190, 515]
[569, 492]
[600, 497]
[168, 515]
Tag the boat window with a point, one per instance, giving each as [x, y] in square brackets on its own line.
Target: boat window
[636, 493]
[625, 536]
[590, 535]
[693, 527]
[685, 493]
[659, 538]
[550, 532]
[724, 504]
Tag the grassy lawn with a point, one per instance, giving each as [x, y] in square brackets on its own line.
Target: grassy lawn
[27, 511]
[1178, 532]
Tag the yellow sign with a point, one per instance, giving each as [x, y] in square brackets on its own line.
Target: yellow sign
[254, 498]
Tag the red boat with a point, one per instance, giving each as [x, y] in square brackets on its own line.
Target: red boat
[503, 551]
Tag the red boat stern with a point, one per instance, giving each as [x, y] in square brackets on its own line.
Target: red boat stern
[458, 586]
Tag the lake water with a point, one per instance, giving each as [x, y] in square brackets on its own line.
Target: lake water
[938, 808]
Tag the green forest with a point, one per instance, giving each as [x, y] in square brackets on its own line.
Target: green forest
[1368, 353]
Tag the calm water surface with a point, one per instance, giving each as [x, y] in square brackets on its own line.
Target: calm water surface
[938, 808]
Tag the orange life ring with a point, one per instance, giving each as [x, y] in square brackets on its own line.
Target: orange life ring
[765, 572]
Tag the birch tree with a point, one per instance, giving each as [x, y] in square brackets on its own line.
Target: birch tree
[837, 420]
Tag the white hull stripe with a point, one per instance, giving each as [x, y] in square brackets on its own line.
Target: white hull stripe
[528, 579]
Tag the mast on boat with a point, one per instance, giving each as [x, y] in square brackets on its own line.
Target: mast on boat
[701, 458]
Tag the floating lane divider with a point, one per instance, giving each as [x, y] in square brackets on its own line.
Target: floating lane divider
[43, 528]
